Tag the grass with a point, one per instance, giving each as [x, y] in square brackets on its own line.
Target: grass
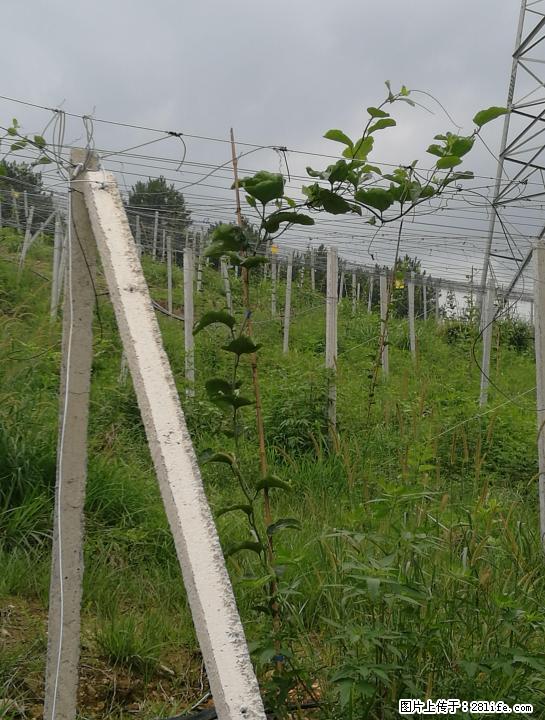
[417, 571]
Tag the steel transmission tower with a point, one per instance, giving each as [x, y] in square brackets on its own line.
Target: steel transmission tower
[520, 176]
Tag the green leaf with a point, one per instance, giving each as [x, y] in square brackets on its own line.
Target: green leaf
[242, 345]
[486, 116]
[436, 150]
[251, 201]
[378, 198]
[3, 169]
[264, 186]
[226, 238]
[460, 146]
[330, 201]
[273, 222]
[43, 161]
[381, 124]
[247, 545]
[19, 145]
[214, 316]
[39, 141]
[217, 386]
[12, 131]
[232, 508]
[272, 481]
[283, 524]
[377, 112]
[447, 162]
[339, 136]
[254, 261]
[220, 457]
[361, 149]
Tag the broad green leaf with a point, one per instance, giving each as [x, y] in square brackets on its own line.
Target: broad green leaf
[465, 175]
[3, 169]
[272, 481]
[273, 222]
[283, 524]
[436, 150]
[447, 162]
[251, 201]
[428, 191]
[264, 186]
[39, 141]
[214, 316]
[225, 239]
[461, 145]
[242, 345]
[12, 131]
[19, 145]
[381, 124]
[360, 150]
[232, 508]
[377, 112]
[254, 261]
[247, 545]
[330, 201]
[218, 386]
[486, 116]
[337, 172]
[43, 161]
[314, 173]
[378, 198]
[339, 136]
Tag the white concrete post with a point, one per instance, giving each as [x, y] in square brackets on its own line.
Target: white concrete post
[370, 298]
[531, 312]
[358, 292]
[412, 333]
[425, 299]
[63, 637]
[209, 592]
[287, 305]
[189, 267]
[274, 270]
[437, 303]
[539, 334]
[312, 270]
[353, 293]
[487, 326]
[1, 215]
[155, 234]
[15, 210]
[341, 285]
[57, 248]
[331, 337]
[384, 323]
[163, 244]
[226, 284]
[169, 273]
[302, 275]
[138, 236]
[200, 248]
[27, 238]
[25, 203]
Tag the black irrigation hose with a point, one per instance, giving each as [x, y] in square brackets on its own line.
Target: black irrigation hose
[210, 713]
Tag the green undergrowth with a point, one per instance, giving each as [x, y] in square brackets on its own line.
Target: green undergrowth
[417, 571]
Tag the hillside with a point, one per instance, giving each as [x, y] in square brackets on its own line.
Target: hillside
[417, 571]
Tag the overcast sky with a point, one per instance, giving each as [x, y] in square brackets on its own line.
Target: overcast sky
[279, 73]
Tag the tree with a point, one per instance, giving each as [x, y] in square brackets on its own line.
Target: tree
[15, 179]
[155, 194]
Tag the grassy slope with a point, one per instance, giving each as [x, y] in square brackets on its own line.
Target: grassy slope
[417, 571]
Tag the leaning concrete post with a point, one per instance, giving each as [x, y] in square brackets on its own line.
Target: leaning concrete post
[331, 338]
[63, 638]
[189, 265]
[539, 334]
[384, 323]
[412, 333]
[487, 326]
[287, 305]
